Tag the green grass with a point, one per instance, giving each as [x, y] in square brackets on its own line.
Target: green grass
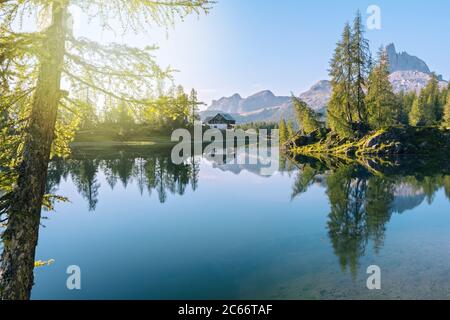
[415, 140]
[114, 136]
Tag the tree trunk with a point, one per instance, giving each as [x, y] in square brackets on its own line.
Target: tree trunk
[24, 214]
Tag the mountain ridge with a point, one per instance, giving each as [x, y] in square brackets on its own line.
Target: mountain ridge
[408, 73]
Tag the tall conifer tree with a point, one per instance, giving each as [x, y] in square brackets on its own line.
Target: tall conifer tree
[362, 61]
[350, 66]
[283, 132]
[446, 118]
[382, 104]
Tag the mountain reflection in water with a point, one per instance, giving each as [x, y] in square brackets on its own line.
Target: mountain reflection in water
[362, 199]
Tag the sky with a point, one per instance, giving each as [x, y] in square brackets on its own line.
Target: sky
[245, 46]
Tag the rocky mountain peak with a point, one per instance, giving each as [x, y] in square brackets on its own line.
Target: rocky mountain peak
[264, 93]
[408, 74]
[321, 85]
[402, 61]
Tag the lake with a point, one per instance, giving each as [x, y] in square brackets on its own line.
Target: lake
[140, 227]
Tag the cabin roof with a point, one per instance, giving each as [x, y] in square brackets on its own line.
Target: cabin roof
[227, 117]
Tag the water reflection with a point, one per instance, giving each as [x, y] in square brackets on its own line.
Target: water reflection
[363, 196]
[153, 172]
[362, 200]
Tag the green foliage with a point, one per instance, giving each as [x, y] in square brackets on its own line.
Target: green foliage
[346, 224]
[446, 118]
[362, 199]
[194, 106]
[172, 110]
[114, 73]
[382, 105]
[150, 168]
[305, 178]
[361, 62]
[444, 96]
[340, 113]
[406, 101]
[126, 79]
[417, 114]
[349, 69]
[427, 109]
[290, 129]
[387, 142]
[257, 126]
[283, 132]
[307, 119]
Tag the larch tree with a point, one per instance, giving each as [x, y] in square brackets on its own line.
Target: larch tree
[339, 111]
[34, 65]
[443, 97]
[417, 114]
[283, 132]
[349, 68]
[290, 129]
[362, 61]
[381, 101]
[306, 117]
[433, 95]
[194, 103]
[446, 118]
[405, 101]
[426, 109]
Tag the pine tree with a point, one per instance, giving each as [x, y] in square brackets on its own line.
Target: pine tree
[340, 113]
[350, 66]
[283, 132]
[433, 107]
[406, 101]
[290, 129]
[193, 100]
[306, 117]
[417, 114]
[361, 59]
[442, 103]
[443, 96]
[382, 104]
[426, 109]
[446, 118]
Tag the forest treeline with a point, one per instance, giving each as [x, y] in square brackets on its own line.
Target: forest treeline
[166, 112]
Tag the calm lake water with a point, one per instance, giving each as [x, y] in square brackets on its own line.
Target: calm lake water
[140, 227]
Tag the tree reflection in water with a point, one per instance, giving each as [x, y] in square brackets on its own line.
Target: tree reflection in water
[363, 198]
[363, 195]
[154, 172]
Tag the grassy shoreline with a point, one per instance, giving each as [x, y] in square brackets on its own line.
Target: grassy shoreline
[389, 141]
[77, 144]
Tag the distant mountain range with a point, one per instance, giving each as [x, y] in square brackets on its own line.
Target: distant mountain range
[408, 73]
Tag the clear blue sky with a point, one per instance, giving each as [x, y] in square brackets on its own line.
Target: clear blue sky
[285, 45]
